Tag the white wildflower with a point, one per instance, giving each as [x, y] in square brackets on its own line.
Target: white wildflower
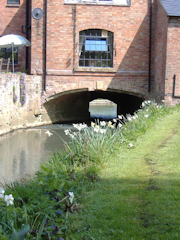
[71, 135]
[136, 116]
[120, 117]
[109, 123]
[102, 131]
[96, 129]
[129, 118]
[114, 120]
[48, 133]
[92, 124]
[146, 115]
[67, 132]
[131, 145]
[9, 199]
[103, 123]
[71, 197]
[120, 125]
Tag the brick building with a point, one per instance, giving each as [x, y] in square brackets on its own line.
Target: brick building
[125, 46]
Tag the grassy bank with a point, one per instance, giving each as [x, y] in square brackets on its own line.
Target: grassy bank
[115, 180]
[138, 195]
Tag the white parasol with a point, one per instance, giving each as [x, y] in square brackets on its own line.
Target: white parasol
[13, 40]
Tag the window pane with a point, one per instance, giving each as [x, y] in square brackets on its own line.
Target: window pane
[110, 64]
[93, 55]
[93, 32]
[86, 62]
[81, 63]
[86, 54]
[87, 32]
[103, 63]
[104, 55]
[92, 63]
[98, 63]
[98, 55]
[99, 32]
[109, 55]
[13, 1]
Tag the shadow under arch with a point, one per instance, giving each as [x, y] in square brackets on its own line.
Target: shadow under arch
[73, 105]
[127, 103]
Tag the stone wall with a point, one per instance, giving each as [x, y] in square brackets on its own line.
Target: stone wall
[15, 113]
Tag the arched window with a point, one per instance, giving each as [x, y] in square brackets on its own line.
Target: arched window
[95, 48]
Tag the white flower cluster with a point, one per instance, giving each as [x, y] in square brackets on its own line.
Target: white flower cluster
[147, 102]
[69, 133]
[130, 118]
[80, 126]
[7, 198]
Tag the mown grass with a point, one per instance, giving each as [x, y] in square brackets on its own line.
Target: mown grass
[138, 196]
[122, 190]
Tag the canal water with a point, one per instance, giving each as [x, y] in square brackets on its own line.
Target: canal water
[22, 151]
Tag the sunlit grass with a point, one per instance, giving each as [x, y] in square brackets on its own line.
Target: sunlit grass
[138, 196]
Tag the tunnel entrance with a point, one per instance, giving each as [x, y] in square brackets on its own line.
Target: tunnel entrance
[75, 105]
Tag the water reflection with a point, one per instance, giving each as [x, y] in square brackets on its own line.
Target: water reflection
[22, 151]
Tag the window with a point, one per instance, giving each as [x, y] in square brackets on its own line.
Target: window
[13, 1]
[7, 53]
[95, 48]
[100, 2]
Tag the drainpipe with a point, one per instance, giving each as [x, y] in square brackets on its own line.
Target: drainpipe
[45, 42]
[27, 16]
[150, 29]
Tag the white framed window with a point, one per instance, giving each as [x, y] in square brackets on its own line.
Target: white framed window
[13, 2]
[96, 48]
[100, 2]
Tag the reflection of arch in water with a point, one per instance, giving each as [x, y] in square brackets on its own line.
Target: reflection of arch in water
[102, 109]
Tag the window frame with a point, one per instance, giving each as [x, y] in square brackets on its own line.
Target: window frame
[96, 58]
[124, 3]
[10, 2]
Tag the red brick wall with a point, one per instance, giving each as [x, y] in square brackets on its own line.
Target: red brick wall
[130, 26]
[11, 21]
[160, 43]
[173, 61]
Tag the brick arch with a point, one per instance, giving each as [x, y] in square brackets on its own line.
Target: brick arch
[90, 86]
[107, 27]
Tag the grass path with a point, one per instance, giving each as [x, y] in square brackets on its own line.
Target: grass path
[138, 195]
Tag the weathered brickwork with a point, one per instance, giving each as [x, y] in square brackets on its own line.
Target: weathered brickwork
[13, 114]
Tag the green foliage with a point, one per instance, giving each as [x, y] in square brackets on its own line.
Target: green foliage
[42, 205]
